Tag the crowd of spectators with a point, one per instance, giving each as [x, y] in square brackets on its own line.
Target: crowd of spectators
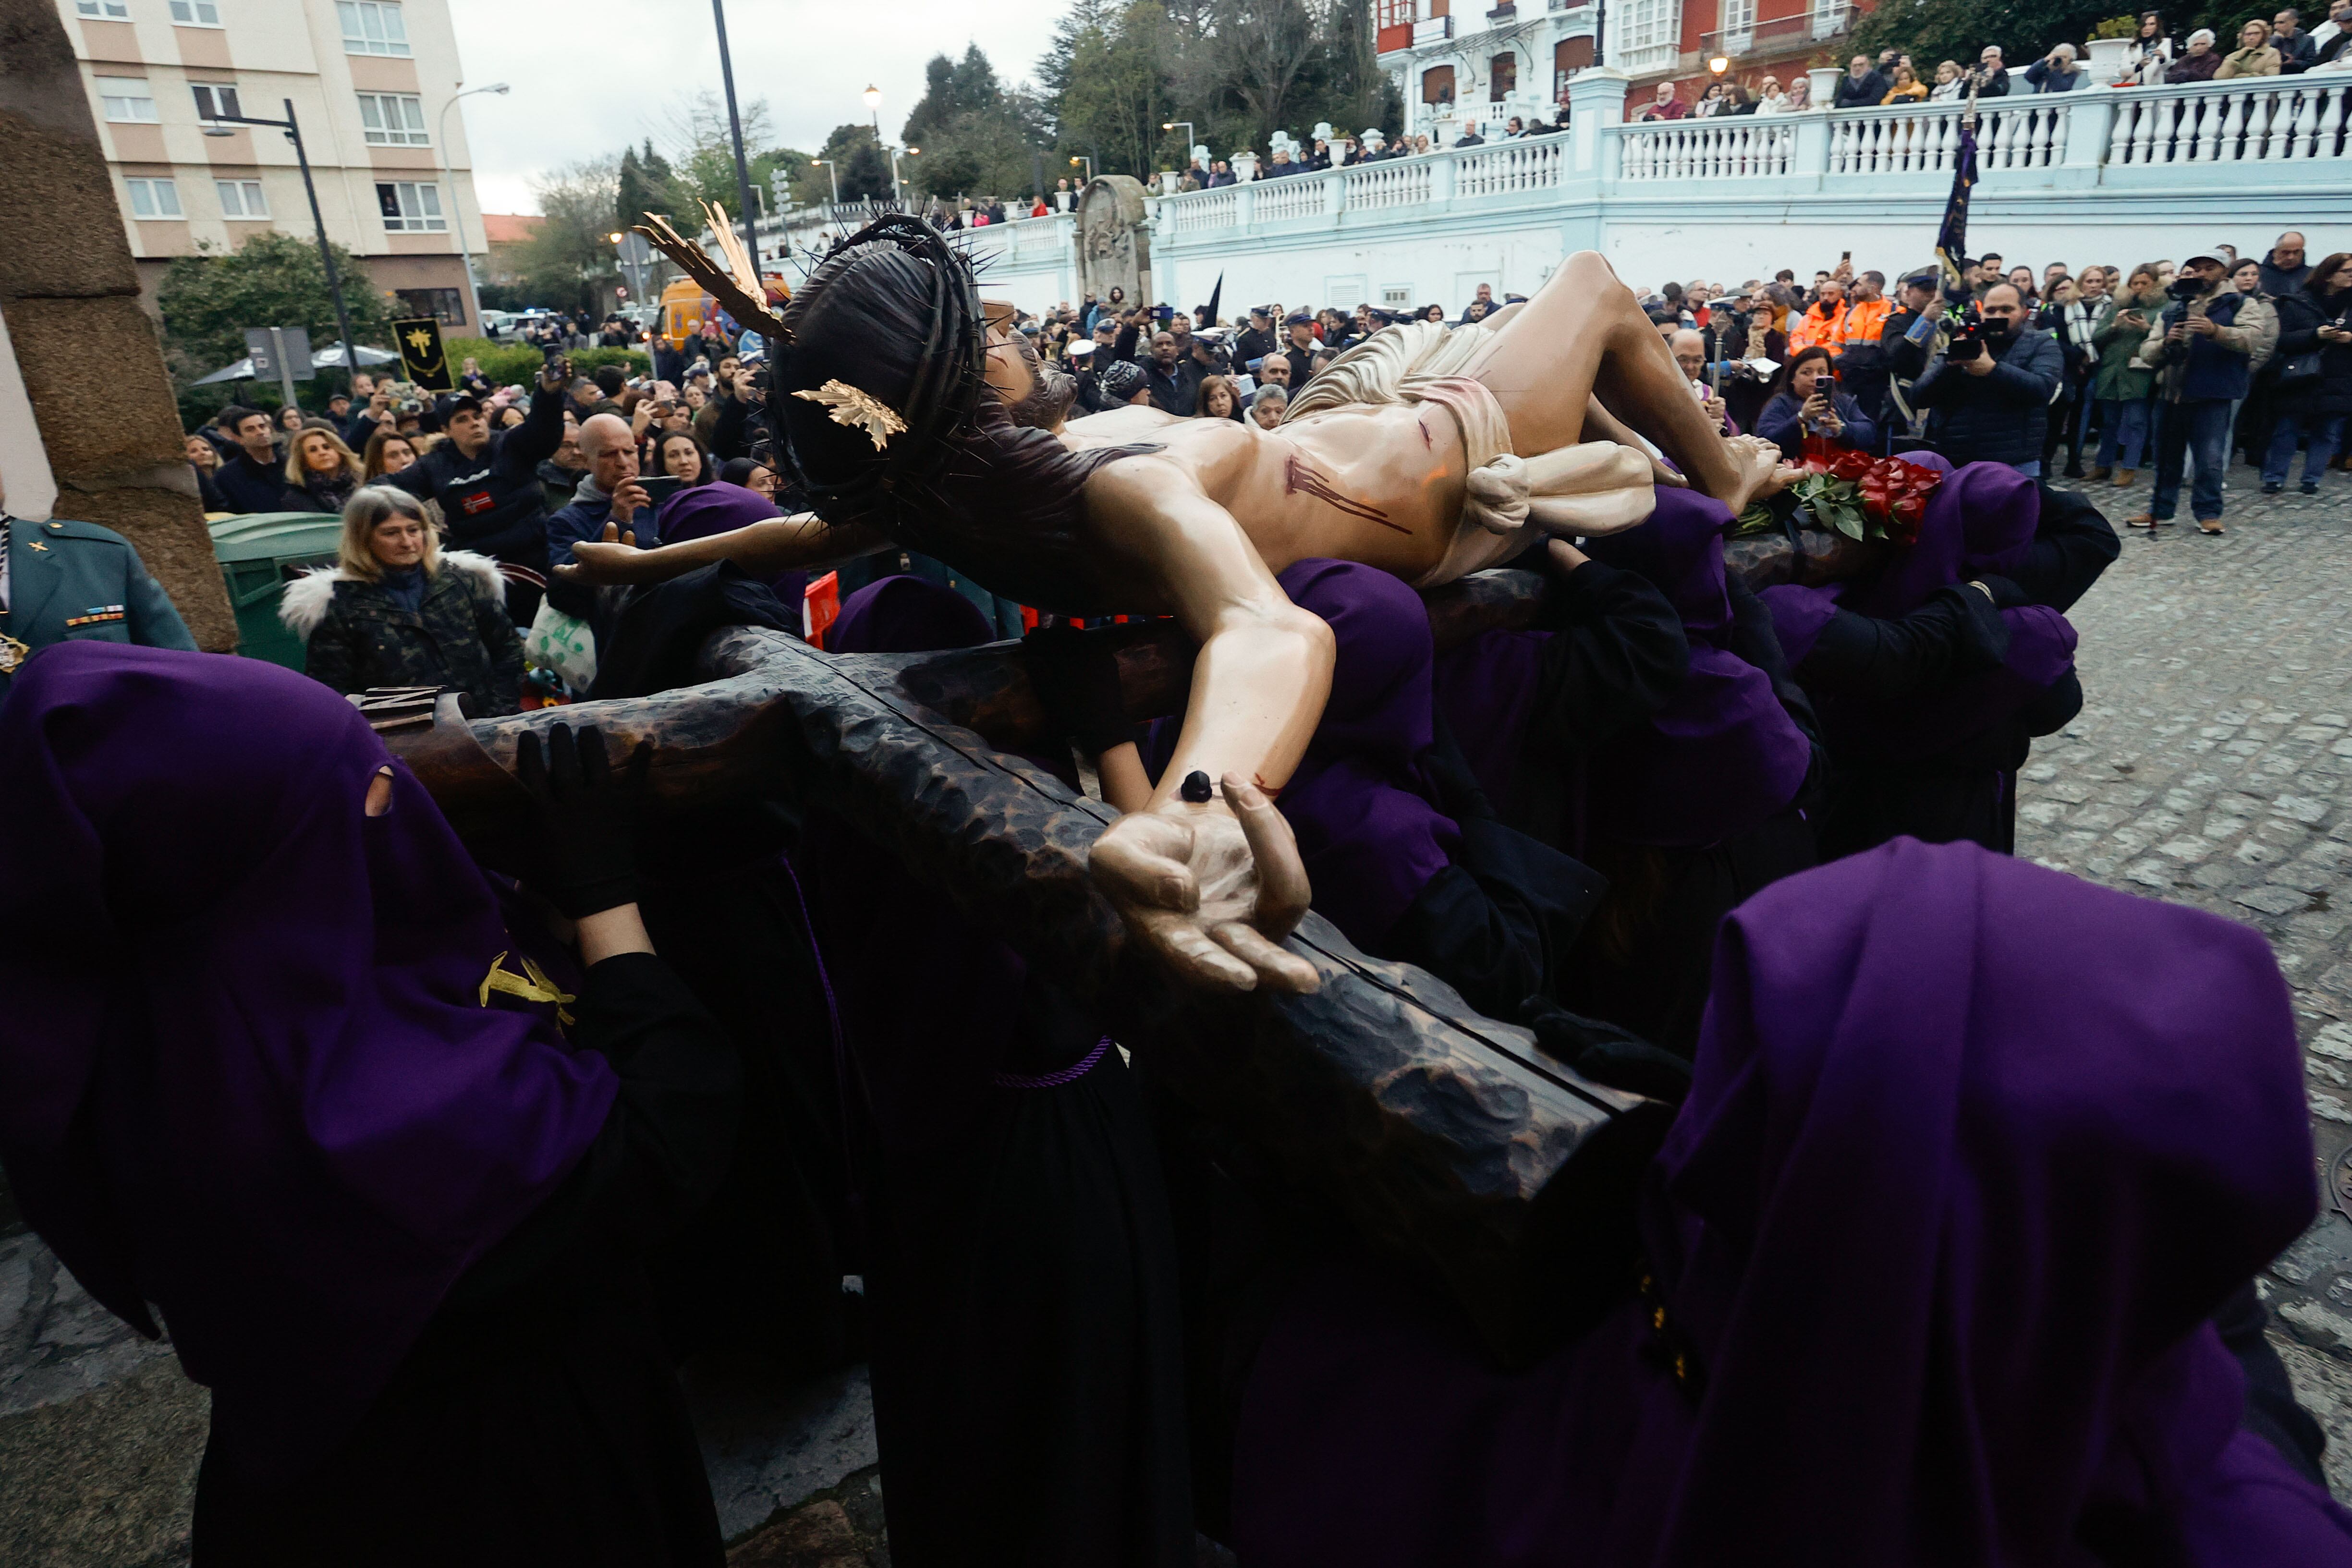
[2171, 366]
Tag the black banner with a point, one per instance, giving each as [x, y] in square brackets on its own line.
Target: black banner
[421, 360]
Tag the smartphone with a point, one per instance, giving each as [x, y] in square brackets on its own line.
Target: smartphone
[1845, 256]
[660, 488]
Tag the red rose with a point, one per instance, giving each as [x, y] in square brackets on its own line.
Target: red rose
[1849, 464]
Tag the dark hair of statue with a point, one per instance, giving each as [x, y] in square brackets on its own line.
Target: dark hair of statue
[894, 311]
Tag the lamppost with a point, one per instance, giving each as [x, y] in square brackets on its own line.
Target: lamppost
[1187, 124]
[457, 207]
[873, 96]
[219, 127]
[1599, 30]
[827, 164]
[1088, 163]
[911, 152]
[735, 134]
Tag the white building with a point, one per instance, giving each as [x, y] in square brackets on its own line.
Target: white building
[369, 81]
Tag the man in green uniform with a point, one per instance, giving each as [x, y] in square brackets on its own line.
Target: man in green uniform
[60, 580]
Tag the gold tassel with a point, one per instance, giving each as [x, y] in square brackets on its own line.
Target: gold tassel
[532, 986]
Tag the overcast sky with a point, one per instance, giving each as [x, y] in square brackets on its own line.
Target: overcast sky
[588, 76]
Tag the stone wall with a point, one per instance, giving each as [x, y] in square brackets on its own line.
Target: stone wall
[91, 367]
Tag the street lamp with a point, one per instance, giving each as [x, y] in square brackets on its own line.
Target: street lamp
[1187, 124]
[910, 151]
[457, 207]
[873, 96]
[735, 135]
[219, 127]
[827, 165]
[1090, 167]
[1720, 64]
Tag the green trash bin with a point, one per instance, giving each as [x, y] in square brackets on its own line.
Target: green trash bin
[259, 553]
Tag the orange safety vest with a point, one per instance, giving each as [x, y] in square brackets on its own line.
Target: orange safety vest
[1864, 319]
[1826, 331]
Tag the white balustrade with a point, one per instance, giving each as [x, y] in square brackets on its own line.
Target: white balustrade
[2261, 120]
[1729, 148]
[2256, 119]
[1392, 183]
[1292, 197]
[1532, 164]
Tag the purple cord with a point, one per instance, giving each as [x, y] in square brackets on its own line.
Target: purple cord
[1069, 1074]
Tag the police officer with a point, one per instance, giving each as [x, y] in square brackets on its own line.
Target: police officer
[62, 581]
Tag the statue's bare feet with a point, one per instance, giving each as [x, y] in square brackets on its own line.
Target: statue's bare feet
[1211, 892]
[1762, 473]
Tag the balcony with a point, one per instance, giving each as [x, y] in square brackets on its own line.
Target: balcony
[1780, 37]
[1433, 30]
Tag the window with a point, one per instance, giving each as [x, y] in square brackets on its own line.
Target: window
[445, 306]
[373, 27]
[126, 99]
[392, 119]
[411, 208]
[242, 199]
[216, 100]
[195, 12]
[154, 199]
[1502, 77]
[1437, 85]
[105, 10]
[1646, 36]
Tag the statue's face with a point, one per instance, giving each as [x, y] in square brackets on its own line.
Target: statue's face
[1033, 393]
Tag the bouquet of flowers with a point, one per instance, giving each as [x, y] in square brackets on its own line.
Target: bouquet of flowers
[1860, 496]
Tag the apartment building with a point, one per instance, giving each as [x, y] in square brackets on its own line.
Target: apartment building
[1465, 63]
[369, 81]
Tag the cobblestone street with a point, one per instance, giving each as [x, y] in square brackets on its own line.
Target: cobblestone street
[2212, 765]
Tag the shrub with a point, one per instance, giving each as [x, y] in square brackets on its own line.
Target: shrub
[2122, 26]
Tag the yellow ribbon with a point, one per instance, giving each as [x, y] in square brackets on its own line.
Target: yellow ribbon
[538, 987]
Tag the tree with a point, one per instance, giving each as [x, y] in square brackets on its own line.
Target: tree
[570, 256]
[863, 167]
[977, 137]
[646, 184]
[208, 299]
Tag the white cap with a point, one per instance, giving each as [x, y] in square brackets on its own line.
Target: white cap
[1079, 346]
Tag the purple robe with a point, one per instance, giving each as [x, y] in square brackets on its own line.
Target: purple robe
[249, 1071]
[1723, 756]
[1367, 834]
[1980, 522]
[1937, 1237]
[702, 510]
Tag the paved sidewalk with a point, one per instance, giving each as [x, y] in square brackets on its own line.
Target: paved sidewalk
[2212, 765]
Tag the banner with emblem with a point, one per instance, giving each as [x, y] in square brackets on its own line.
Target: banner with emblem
[421, 359]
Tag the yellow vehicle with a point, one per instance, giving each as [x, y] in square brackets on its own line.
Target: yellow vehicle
[683, 309]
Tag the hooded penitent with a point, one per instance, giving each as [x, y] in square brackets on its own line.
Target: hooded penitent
[251, 1069]
[1973, 1152]
[1980, 522]
[1723, 756]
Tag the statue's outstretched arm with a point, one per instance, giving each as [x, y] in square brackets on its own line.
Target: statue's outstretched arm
[763, 549]
[1215, 883]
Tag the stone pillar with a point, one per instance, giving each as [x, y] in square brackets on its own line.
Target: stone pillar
[1596, 101]
[93, 372]
[2088, 117]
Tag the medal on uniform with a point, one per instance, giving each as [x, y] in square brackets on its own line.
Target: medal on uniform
[12, 653]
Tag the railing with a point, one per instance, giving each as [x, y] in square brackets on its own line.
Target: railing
[2062, 141]
[1709, 148]
[2271, 120]
[1292, 197]
[1396, 182]
[1925, 137]
[1533, 164]
[1196, 211]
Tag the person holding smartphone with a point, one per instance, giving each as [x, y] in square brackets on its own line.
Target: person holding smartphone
[610, 491]
[1805, 402]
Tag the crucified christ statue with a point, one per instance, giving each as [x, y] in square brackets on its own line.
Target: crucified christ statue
[916, 417]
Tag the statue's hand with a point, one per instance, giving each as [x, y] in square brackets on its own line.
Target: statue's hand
[613, 559]
[1213, 894]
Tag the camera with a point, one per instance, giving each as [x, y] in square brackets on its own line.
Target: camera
[2185, 289]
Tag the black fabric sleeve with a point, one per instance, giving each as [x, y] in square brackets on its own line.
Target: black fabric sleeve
[521, 450]
[2073, 545]
[1957, 633]
[666, 1143]
[727, 432]
[1456, 929]
[1616, 656]
[2054, 709]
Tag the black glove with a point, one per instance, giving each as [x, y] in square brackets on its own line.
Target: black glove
[1077, 677]
[1605, 1054]
[587, 858]
[2006, 595]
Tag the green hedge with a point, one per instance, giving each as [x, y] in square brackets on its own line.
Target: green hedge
[516, 364]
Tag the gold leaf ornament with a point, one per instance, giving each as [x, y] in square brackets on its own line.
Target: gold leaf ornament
[859, 408]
